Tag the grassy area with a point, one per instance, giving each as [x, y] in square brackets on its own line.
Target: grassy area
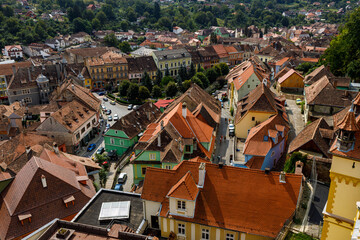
[298, 236]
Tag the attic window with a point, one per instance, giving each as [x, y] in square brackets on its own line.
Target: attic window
[25, 216]
[68, 200]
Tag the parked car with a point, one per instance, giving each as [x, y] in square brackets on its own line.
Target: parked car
[118, 187]
[101, 93]
[298, 101]
[108, 125]
[112, 155]
[110, 118]
[105, 99]
[231, 130]
[103, 107]
[122, 178]
[100, 150]
[136, 107]
[108, 112]
[112, 102]
[91, 147]
[116, 117]
[130, 107]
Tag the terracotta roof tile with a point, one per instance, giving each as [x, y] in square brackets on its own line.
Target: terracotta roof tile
[349, 123]
[185, 188]
[282, 61]
[220, 204]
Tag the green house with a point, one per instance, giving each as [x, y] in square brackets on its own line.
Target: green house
[124, 133]
[222, 32]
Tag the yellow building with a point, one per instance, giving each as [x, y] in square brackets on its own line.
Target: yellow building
[340, 210]
[196, 200]
[292, 81]
[172, 60]
[255, 108]
[109, 68]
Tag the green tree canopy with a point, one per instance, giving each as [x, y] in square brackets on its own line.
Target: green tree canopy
[171, 89]
[133, 91]
[146, 81]
[123, 88]
[144, 92]
[165, 81]
[211, 74]
[224, 68]
[204, 80]
[156, 92]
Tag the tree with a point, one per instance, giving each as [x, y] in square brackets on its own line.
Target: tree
[133, 91]
[285, 22]
[183, 73]
[218, 70]
[124, 26]
[200, 68]
[131, 15]
[167, 73]
[343, 54]
[192, 70]
[224, 68]
[156, 92]
[80, 25]
[108, 10]
[213, 38]
[186, 85]
[96, 24]
[205, 82]
[157, 11]
[125, 47]
[101, 16]
[171, 89]
[123, 88]
[144, 92]
[146, 81]
[165, 22]
[196, 80]
[111, 40]
[305, 67]
[221, 81]
[159, 76]
[211, 74]
[165, 81]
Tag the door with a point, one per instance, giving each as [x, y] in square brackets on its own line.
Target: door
[155, 222]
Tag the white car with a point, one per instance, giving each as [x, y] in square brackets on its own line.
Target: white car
[231, 129]
[116, 117]
[103, 107]
[122, 178]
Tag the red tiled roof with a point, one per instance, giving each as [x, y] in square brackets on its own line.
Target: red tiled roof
[348, 123]
[282, 61]
[185, 188]
[220, 51]
[314, 60]
[4, 176]
[233, 198]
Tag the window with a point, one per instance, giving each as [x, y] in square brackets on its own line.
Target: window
[94, 121]
[112, 141]
[181, 229]
[171, 64]
[152, 156]
[82, 130]
[27, 100]
[266, 138]
[121, 142]
[143, 170]
[248, 86]
[161, 66]
[187, 148]
[167, 167]
[253, 118]
[181, 205]
[205, 234]
[88, 126]
[230, 236]
[78, 136]
[116, 132]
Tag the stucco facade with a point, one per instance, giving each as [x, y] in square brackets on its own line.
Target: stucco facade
[251, 119]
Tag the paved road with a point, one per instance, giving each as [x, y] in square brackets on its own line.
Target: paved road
[121, 110]
[318, 204]
[296, 118]
[226, 147]
[128, 169]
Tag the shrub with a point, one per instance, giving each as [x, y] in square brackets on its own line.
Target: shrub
[289, 166]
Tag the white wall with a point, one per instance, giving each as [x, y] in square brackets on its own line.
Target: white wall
[190, 207]
[150, 209]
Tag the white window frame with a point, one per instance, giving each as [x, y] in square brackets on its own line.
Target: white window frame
[121, 142]
[230, 236]
[112, 141]
[181, 205]
[152, 156]
[181, 229]
[168, 167]
[205, 234]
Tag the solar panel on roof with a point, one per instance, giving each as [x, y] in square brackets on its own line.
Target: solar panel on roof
[114, 210]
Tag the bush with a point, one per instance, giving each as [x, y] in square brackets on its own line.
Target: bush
[302, 107]
[289, 166]
[232, 111]
[111, 96]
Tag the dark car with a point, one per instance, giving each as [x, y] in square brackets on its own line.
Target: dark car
[105, 99]
[108, 112]
[112, 155]
[118, 187]
[91, 147]
[100, 150]
[101, 93]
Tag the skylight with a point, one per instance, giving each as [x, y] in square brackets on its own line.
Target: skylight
[114, 210]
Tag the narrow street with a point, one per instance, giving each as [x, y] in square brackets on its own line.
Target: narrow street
[295, 117]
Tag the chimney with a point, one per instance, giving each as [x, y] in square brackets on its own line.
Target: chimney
[221, 164]
[13, 69]
[298, 167]
[282, 178]
[184, 110]
[55, 148]
[162, 124]
[267, 170]
[73, 87]
[43, 181]
[335, 84]
[201, 175]
[27, 149]
[159, 140]
[148, 115]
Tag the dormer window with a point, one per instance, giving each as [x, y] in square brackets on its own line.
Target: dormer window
[25, 217]
[181, 205]
[69, 200]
